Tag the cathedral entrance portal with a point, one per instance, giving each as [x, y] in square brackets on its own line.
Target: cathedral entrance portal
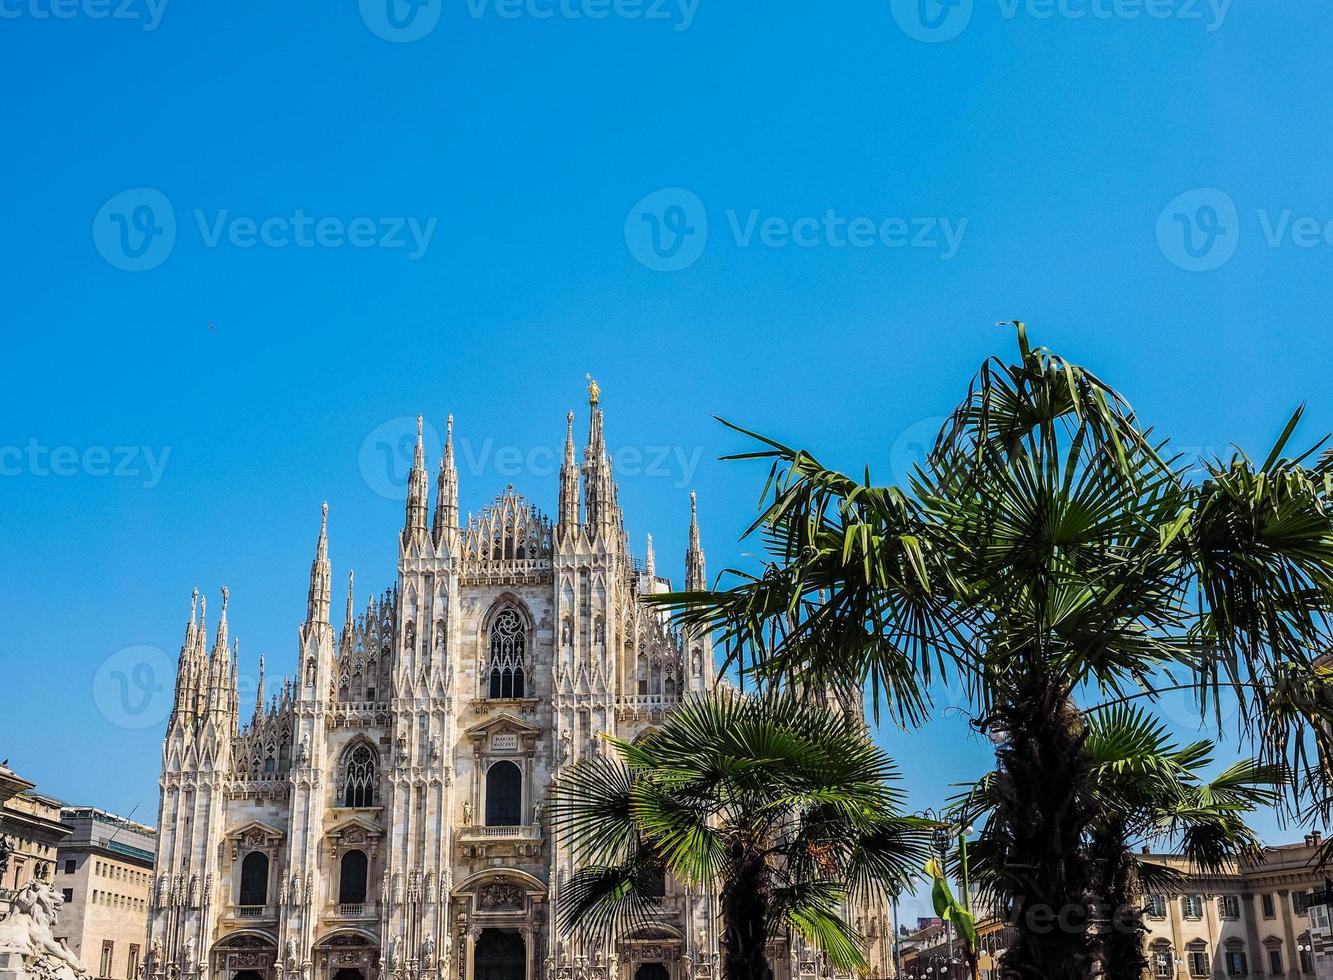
[500, 955]
[247, 975]
[346, 974]
[652, 971]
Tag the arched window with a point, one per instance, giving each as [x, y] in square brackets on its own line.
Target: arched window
[254, 879]
[505, 678]
[656, 685]
[358, 786]
[352, 878]
[504, 795]
[642, 672]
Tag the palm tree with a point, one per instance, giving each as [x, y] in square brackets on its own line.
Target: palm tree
[1048, 545]
[783, 804]
[1148, 790]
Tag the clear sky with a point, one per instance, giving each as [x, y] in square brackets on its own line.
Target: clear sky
[244, 238]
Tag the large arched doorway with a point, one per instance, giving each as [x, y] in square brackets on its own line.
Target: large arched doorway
[500, 955]
[247, 975]
[349, 974]
[652, 971]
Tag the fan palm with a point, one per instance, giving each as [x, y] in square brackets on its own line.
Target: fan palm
[783, 805]
[1148, 790]
[1048, 545]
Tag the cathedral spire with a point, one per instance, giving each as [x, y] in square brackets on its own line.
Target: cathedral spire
[650, 563]
[348, 642]
[446, 491]
[696, 576]
[601, 509]
[414, 528]
[259, 692]
[317, 602]
[185, 666]
[220, 643]
[568, 523]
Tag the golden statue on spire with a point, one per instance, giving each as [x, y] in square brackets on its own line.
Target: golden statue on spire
[594, 391]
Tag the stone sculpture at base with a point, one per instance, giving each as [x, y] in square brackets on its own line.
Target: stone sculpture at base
[28, 947]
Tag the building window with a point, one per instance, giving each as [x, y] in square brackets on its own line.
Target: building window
[108, 951]
[352, 878]
[67, 895]
[1230, 906]
[1300, 901]
[1156, 906]
[1161, 962]
[69, 867]
[1191, 906]
[1266, 903]
[1236, 964]
[358, 788]
[1198, 960]
[254, 879]
[132, 965]
[1274, 960]
[507, 646]
[504, 795]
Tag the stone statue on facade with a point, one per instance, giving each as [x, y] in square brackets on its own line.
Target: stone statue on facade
[28, 947]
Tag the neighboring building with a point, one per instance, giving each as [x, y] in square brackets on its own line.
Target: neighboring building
[30, 824]
[1251, 920]
[383, 814]
[931, 952]
[104, 872]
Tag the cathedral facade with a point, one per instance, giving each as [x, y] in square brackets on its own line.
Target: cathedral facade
[380, 817]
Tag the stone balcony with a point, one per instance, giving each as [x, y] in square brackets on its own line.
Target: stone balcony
[524, 841]
[254, 913]
[353, 911]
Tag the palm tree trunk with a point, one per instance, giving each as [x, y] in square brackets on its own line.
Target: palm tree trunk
[744, 901]
[1123, 956]
[1046, 880]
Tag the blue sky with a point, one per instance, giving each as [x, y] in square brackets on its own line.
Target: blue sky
[845, 199]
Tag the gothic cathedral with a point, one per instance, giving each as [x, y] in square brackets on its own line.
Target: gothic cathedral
[381, 818]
